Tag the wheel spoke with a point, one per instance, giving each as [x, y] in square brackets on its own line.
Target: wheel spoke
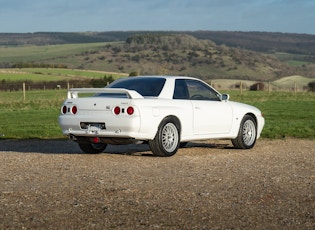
[169, 137]
[249, 132]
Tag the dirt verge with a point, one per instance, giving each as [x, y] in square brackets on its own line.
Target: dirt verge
[207, 185]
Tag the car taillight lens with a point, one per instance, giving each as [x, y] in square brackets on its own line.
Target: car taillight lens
[64, 109]
[117, 110]
[74, 110]
[130, 110]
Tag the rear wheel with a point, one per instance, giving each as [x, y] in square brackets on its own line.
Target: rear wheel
[247, 134]
[166, 141]
[92, 148]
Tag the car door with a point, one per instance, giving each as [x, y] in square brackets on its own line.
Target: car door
[211, 115]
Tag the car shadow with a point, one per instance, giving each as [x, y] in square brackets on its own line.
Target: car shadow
[64, 146]
[216, 145]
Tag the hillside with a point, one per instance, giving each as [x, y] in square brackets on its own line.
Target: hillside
[186, 55]
[157, 53]
[256, 41]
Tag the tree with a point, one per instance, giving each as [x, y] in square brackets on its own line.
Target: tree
[311, 86]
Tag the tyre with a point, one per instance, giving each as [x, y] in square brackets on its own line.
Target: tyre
[183, 144]
[92, 148]
[247, 134]
[167, 139]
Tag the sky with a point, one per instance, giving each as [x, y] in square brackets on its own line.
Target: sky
[28, 16]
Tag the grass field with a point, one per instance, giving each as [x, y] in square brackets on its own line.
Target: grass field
[287, 114]
[48, 74]
[39, 53]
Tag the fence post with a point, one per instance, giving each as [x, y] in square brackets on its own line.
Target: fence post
[24, 96]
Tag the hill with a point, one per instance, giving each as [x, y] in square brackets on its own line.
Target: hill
[257, 41]
[159, 53]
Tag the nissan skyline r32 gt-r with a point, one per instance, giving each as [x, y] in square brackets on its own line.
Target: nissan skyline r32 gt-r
[163, 111]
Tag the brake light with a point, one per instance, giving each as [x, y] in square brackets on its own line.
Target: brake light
[74, 110]
[117, 110]
[130, 110]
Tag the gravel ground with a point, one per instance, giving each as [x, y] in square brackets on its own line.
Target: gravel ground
[207, 185]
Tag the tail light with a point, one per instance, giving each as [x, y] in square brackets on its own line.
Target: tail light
[74, 109]
[64, 109]
[130, 110]
[117, 110]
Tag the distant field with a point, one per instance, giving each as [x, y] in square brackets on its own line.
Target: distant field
[39, 53]
[196, 59]
[283, 84]
[49, 74]
[292, 59]
[55, 74]
[287, 114]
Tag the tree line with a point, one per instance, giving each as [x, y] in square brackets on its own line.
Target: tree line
[8, 85]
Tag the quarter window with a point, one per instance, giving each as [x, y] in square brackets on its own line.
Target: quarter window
[180, 90]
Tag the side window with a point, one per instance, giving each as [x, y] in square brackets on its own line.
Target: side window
[180, 90]
[200, 91]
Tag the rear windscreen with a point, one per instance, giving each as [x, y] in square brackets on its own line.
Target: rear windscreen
[146, 86]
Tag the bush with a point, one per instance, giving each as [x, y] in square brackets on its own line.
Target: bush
[134, 73]
[311, 86]
[257, 86]
[102, 82]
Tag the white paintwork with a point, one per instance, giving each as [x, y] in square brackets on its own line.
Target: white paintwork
[198, 119]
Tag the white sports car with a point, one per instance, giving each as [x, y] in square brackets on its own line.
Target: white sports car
[164, 111]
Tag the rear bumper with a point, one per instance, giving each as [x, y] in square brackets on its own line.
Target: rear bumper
[115, 127]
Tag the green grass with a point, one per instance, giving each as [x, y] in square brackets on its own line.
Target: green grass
[36, 117]
[286, 114]
[47, 74]
[294, 60]
[39, 53]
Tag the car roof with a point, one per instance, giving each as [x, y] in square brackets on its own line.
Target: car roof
[161, 76]
[168, 89]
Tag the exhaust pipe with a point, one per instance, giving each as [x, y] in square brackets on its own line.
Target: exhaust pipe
[72, 137]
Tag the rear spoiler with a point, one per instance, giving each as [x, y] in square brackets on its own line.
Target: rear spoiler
[74, 92]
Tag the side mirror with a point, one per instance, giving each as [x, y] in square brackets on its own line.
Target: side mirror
[225, 97]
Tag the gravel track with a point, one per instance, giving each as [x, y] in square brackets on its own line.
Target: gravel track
[50, 184]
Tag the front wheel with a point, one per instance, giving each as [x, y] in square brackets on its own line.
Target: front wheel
[92, 148]
[166, 141]
[247, 134]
